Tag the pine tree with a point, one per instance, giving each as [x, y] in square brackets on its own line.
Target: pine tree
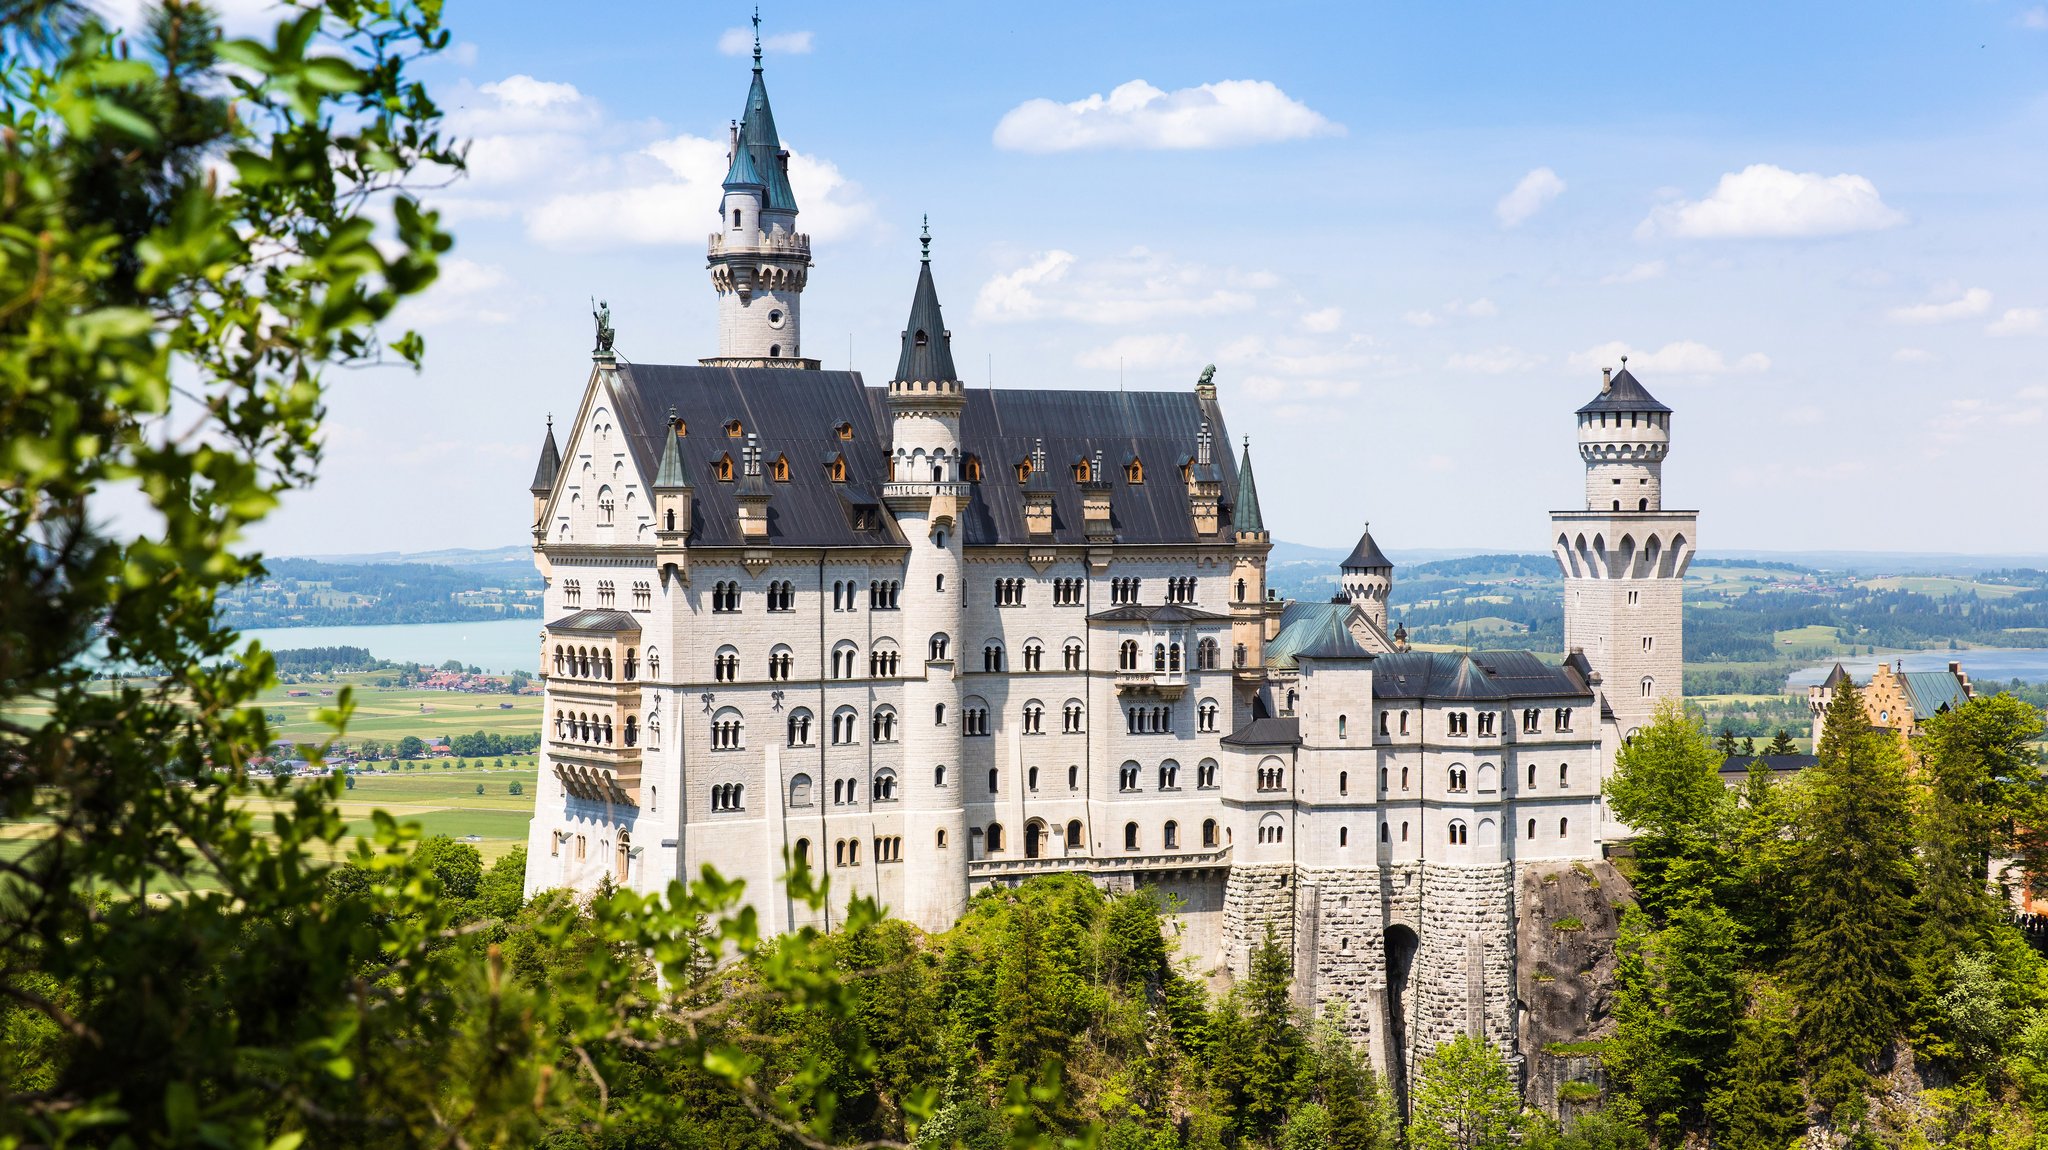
[1465, 1101]
[1981, 775]
[1849, 967]
[1275, 1061]
[1348, 1089]
[1641, 1058]
[1758, 1104]
[1667, 785]
[1760, 896]
[1782, 744]
[1725, 742]
[1698, 966]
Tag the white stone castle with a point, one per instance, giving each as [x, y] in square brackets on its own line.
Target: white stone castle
[927, 641]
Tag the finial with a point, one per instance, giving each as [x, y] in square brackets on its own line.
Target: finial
[757, 37]
[672, 418]
[1624, 363]
[926, 238]
[551, 422]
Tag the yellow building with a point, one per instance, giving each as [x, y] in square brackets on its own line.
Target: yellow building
[1895, 699]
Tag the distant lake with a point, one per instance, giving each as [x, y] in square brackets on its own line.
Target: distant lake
[1988, 664]
[500, 646]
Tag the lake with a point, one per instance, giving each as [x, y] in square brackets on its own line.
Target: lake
[500, 646]
[1984, 664]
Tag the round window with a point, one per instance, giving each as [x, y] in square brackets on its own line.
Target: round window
[775, 318]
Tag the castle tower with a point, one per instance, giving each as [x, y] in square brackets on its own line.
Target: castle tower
[1624, 556]
[544, 474]
[1253, 620]
[1368, 578]
[927, 493]
[759, 262]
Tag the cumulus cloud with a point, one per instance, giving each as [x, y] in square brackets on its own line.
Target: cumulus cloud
[1681, 357]
[1494, 361]
[1976, 301]
[740, 41]
[1764, 200]
[1531, 195]
[1648, 270]
[463, 290]
[1326, 320]
[1137, 353]
[1138, 286]
[1481, 308]
[2016, 321]
[1226, 114]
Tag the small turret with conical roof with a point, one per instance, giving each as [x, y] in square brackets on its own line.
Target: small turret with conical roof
[1245, 518]
[1624, 435]
[674, 504]
[544, 473]
[1368, 578]
[1253, 619]
[925, 394]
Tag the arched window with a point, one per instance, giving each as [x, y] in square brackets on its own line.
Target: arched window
[1458, 834]
[1532, 776]
[1074, 842]
[885, 786]
[1532, 830]
[1489, 779]
[800, 728]
[1384, 832]
[938, 648]
[800, 791]
[1127, 655]
[1564, 827]
[994, 839]
[1205, 655]
[632, 730]
[1169, 836]
[1130, 836]
[1073, 778]
[939, 776]
[1564, 774]
[1343, 727]
[802, 854]
[1457, 778]
[1649, 686]
[939, 714]
[1343, 836]
[1208, 832]
[1343, 782]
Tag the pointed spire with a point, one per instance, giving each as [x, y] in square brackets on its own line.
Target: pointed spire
[550, 463]
[743, 173]
[1367, 556]
[757, 135]
[927, 345]
[1244, 515]
[757, 38]
[671, 473]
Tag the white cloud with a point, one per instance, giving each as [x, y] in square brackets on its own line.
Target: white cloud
[2033, 19]
[740, 41]
[463, 290]
[1976, 301]
[1226, 114]
[1138, 286]
[1681, 357]
[1420, 318]
[1531, 195]
[1481, 308]
[2016, 321]
[1912, 355]
[1494, 361]
[1649, 270]
[1327, 320]
[1137, 353]
[1766, 200]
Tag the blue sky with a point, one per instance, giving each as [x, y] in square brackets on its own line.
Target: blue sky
[1408, 235]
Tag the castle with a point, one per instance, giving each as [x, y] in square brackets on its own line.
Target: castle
[927, 640]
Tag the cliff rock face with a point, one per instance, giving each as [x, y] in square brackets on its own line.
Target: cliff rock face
[1565, 932]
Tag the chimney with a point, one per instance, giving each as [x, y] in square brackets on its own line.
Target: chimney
[1205, 487]
[1038, 495]
[1606, 380]
[1095, 519]
[753, 493]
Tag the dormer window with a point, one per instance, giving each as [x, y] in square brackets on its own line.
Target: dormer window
[844, 430]
[1081, 472]
[837, 469]
[921, 339]
[722, 469]
[780, 469]
[972, 471]
[1134, 472]
[1024, 471]
[733, 429]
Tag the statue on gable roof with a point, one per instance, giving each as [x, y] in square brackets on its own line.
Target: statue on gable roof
[602, 313]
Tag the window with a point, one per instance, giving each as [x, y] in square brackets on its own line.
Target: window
[643, 597]
[938, 714]
[1134, 472]
[728, 731]
[1009, 592]
[971, 470]
[728, 797]
[1649, 686]
[883, 664]
[1127, 655]
[974, 718]
[1486, 719]
[1158, 658]
[572, 592]
[722, 469]
[1271, 830]
[1180, 589]
[1341, 725]
[1384, 718]
[1071, 655]
[1564, 827]
[800, 728]
[992, 657]
[1034, 718]
[725, 597]
[1532, 830]
[1649, 642]
[1031, 780]
[1564, 718]
[1532, 720]
[844, 722]
[1130, 836]
[734, 429]
[1205, 655]
[1123, 592]
[800, 791]
[1127, 777]
[1169, 776]
[1564, 774]
[995, 837]
[725, 666]
[1208, 832]
[1240, 655]
[1066, 592]
[883, 593]
[1272, 776]
[885, 786]
[1148, 720]
[938, 650]
[779, 662]
[1034, 656]
[1205, 716]
[1385, 832]
[779, 470]
[889, 848]
[605, 506]
[882, 725]
[1404, 831]
[1458, 834]
[1071, 718]
[1343, 782]
[1205, 774]
[1460, 722]
[781, 596]
[1532, 776]
[1169, 836]
[939, 776]
[1404, 778]
[1457, 779]
[1343, 836]
[1404, 722]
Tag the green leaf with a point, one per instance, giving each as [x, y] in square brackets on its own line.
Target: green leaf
[331, 75]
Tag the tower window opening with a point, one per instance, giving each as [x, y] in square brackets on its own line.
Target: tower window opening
[774, 350]
[922, 339]
[735, 217]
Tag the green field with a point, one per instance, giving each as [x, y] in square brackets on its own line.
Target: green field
[1941, 585]
[389, 713]
[1813, 636]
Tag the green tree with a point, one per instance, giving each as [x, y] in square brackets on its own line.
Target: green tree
[501, 892]
[1641, 1058]
[1982, 779]
[1667, 785]
[1852, 917]
[1782, 744]
[457, 867]
[479, 788]
[1725, 742]
[516, 788]
[1758, 1104]
[1276, 1060]
[411, 747]
[1465, 1099]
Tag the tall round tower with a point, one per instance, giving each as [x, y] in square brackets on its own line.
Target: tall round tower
[759, 262]
[927, 493]
[1624, 556]
[1368, 578]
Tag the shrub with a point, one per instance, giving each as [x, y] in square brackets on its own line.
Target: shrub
[1568, 923]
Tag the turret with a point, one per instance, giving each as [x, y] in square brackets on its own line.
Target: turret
[674, 504]
[1368, 578]
[759, 262]
[1251, 621]
[544, 474]
[1624, 434]
[927, 493]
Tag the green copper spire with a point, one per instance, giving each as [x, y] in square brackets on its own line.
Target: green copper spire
[671, 473]
[1244, 516]
[757, 135]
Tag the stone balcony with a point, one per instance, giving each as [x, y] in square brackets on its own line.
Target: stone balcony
[775, 243]
[899, 491]
[1132, 862]
[1167, 685]
[602, 774]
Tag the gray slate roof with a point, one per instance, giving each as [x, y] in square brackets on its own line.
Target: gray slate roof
[1265, 733]
[1480, 675]
[927, 346]
[1000, 428]
[1164, 613]
[1739, 764]
[794, 412]
[596, 619]
[1367, 556]
[1624, 393]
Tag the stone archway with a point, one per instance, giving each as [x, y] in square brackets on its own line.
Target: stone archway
[1401, 945]
[1034, 839]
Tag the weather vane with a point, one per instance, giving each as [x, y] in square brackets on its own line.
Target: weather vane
[926, 238]
[757, 35]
